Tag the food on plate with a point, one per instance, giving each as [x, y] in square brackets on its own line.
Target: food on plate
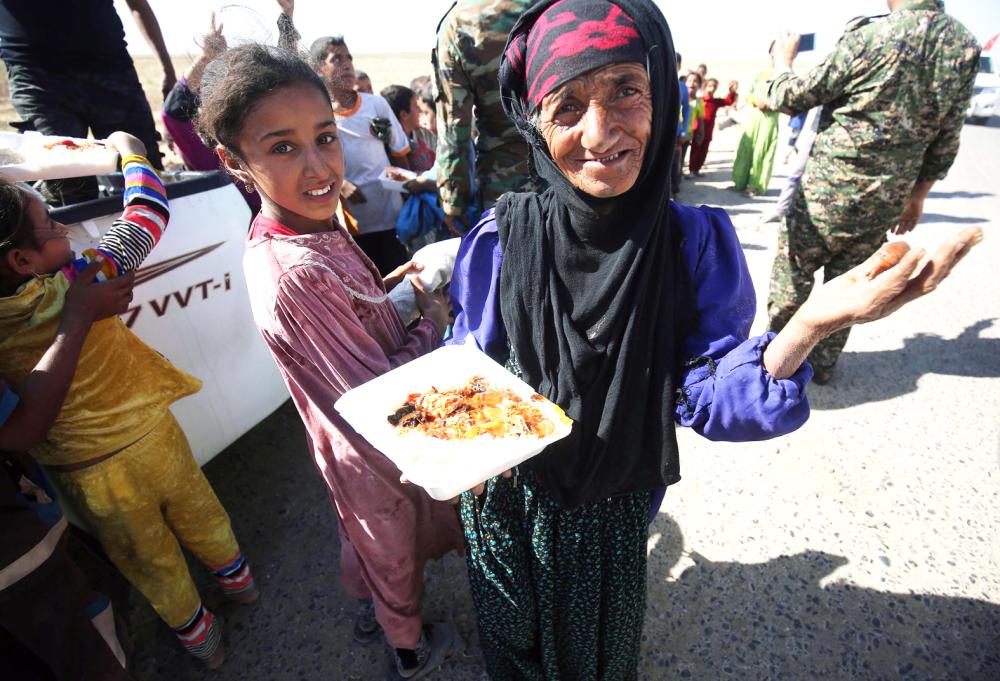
[73, 145]
[473, 410]
[396, 175]
[888, 257]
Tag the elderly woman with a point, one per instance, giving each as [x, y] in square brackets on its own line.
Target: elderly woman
[632, 313]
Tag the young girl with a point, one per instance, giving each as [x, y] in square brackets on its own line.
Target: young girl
[116, 449]
[758, 139]
[694, 130]
[706, 128]
[322, 308]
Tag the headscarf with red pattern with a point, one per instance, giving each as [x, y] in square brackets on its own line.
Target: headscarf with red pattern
[572, 37]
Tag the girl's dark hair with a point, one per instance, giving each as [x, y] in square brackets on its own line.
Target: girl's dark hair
[234, 83]
[16, 228]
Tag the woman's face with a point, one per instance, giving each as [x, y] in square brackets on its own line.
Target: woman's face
[597, 128]
[291, 154]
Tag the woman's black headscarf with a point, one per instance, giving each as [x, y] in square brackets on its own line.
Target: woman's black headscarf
[594, 292]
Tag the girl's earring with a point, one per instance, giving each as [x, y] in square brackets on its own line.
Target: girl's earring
[249, 187]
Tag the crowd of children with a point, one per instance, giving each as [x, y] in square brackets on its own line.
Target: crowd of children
[700, 108]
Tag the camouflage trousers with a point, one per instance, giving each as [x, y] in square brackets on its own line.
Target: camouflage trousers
[803, 249]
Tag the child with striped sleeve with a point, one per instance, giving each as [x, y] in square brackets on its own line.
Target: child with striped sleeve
[116, 449]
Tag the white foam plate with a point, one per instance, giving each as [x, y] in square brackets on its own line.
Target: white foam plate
[31, 156]
[444, 468]
[396, 185]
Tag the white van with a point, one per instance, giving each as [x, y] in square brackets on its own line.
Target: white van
[985, 93]
[191, 304]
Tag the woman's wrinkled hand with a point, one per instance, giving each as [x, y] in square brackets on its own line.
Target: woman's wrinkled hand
[392, 279]
[884, 283]
[433, 305]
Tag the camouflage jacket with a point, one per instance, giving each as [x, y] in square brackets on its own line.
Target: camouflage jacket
[894, 93]
[470, 42]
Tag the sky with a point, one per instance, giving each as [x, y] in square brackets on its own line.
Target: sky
[730, 29]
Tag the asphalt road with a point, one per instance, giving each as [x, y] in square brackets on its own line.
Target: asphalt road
[864, 546]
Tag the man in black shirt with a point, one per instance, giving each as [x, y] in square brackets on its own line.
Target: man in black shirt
[70, 72]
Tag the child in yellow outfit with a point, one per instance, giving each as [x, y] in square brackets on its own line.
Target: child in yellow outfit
[115, 447]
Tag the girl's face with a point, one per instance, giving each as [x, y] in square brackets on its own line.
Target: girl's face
[693, 83]
[710, 87]
[292, 156]
[51, 250]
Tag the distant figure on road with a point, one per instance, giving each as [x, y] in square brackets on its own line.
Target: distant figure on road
[759, 139]
[69, 72]
[470, 42]
[894, 94]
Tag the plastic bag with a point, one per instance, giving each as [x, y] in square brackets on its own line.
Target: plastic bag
[438, 260]
[421, 213]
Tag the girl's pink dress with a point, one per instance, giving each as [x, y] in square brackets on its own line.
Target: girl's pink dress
[321, 307]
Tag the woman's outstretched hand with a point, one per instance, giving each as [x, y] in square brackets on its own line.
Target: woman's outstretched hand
[873, 290]
[884, 283]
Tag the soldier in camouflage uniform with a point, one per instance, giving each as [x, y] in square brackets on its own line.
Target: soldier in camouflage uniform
[470, 41]
[894, 94]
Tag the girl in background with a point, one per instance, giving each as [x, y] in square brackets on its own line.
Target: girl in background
[699, 146]
[759, 139]
[694, 129]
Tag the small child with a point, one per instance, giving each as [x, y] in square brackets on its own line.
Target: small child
[323, 311]
[363, 83]
[424, 89]
[71, 628]
[116, 449]
[694, 130]
[712, 104]
[403, 102]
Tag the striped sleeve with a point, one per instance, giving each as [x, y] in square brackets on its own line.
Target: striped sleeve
[138, 230]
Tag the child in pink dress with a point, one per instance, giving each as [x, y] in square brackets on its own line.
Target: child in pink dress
[322, 309]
